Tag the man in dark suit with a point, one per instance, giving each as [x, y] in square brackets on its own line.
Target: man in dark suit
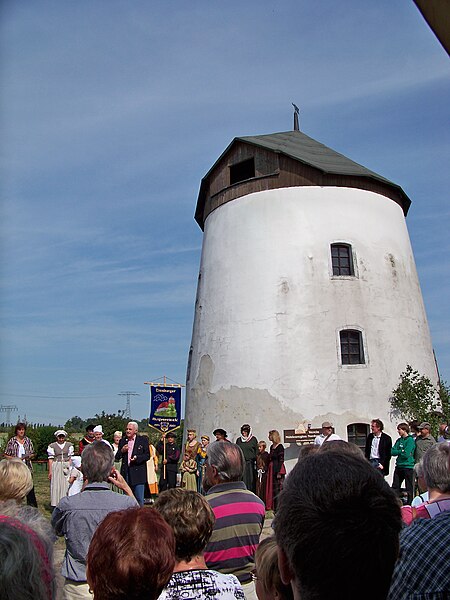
[378, 447]
[134, 452]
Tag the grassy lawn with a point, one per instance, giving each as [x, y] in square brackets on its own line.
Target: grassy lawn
[42, 489]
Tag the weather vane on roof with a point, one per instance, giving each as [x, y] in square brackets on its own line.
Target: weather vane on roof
[296, 113]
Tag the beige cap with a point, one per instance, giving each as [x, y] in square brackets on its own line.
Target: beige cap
[425, 425]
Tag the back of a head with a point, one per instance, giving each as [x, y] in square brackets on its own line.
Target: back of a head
[228, 460]
[191, 518]
[26, 554]
[414, 426]
[131, 555]
[343, 447]
[97, 459]
[338, 521]
[307, 449]
[15, 479]
[435, 467]
[30, 516]
[268, 572]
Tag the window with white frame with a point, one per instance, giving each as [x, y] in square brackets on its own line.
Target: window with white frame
[352, 349]
[342, 260]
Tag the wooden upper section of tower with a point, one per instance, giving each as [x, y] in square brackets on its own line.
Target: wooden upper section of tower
[282, 160]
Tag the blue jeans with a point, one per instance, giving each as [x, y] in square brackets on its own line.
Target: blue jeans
[138, 491]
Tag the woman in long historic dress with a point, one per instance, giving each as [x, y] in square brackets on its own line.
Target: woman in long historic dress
[277, 471]
[249, 446]
[192, 444]
[188, 469]
[152, 469]
[201, 462]
[262, 467]
[117, 436]
[20, 446]
[58, 454]
[115, 447]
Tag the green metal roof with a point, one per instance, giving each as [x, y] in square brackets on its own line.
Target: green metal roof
[301, 147]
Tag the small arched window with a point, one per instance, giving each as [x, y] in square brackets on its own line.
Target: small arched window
[342, 260]
[352, 349]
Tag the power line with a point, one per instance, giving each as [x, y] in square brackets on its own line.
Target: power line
[127, 413]
[8, 409]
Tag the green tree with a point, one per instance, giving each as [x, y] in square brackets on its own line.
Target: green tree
[3, 441]
[75, 425]
[416, 397]
[41, 436]
[444, 398]
[110, 423]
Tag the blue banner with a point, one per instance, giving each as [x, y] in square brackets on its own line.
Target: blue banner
[165, 407]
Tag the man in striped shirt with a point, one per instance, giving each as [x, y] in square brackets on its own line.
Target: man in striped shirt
[239, 515]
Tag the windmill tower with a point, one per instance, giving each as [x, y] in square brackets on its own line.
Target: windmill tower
[308, 305]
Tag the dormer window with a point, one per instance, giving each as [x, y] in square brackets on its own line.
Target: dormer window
[242, 171]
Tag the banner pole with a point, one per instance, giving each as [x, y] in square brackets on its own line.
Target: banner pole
[164, 457]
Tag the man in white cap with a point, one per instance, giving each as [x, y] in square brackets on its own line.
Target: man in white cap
[98, 433]
[327, 434]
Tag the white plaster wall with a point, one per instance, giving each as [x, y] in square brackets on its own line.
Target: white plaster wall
[265, 346]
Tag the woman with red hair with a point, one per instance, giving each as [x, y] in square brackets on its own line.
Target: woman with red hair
[131, 556]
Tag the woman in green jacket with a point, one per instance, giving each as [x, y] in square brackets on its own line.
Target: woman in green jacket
[404, 449]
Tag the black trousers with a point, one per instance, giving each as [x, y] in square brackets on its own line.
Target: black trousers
[407, 475]
[169, 481]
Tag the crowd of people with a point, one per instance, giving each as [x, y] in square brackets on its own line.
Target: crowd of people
[150, 469]
[339, 528]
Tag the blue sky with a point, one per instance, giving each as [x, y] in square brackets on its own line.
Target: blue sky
[112, 112]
